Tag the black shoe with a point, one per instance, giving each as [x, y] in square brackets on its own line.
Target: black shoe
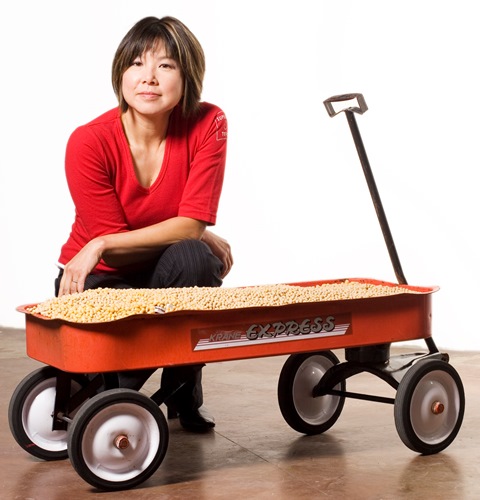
[197, 420]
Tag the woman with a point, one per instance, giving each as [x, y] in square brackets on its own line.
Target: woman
[146, 179]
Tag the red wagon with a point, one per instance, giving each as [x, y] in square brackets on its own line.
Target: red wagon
[116, 438]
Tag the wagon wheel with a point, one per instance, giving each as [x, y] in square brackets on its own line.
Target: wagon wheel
[118, 439]
[299, 376]
[31, 410]
[429, 406]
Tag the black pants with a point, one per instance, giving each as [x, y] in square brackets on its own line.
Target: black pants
[188, 263]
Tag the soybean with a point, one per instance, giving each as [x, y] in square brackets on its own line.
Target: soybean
[109, 304]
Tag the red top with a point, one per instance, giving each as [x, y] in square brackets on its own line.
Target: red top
[107, 195]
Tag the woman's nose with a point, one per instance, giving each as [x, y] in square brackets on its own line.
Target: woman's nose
[149, 77]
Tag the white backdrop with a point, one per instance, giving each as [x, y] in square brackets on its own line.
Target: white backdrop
[295, 205]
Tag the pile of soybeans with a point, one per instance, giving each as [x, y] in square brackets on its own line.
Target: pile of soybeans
[108, 304]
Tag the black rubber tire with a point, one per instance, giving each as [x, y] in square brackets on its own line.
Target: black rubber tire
[30, 414]
[429, 384]
[299, 375]
[91, 444]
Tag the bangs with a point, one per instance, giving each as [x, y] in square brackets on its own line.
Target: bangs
[152, 40]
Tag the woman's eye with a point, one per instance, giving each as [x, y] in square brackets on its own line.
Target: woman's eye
[137, 63]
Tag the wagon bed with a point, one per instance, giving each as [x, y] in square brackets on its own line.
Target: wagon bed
[187, 337]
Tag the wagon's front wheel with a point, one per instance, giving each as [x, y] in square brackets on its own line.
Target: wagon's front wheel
[429, 406]
[301, 410]
[118, 439]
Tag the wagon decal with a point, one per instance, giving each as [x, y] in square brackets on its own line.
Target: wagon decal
[268, 333]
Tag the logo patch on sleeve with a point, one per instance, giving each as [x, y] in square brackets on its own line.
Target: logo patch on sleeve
[222, 127]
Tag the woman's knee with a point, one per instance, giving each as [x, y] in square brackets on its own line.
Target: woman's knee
[200, 266]
[193, 264]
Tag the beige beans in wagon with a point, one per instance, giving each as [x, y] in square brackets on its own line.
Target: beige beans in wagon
[108, 304]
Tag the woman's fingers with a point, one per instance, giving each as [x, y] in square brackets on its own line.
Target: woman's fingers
[69, 285]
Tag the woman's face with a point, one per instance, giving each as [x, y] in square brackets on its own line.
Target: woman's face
[153, 84]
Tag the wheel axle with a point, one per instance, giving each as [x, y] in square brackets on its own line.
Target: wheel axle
[121, 442]
[437, 408]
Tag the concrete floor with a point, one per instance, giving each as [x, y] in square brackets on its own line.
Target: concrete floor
[254, 454]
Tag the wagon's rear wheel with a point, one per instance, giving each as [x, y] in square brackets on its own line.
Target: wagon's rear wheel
[299, 376]
[30, 414]
[429, 406]
[118, 439]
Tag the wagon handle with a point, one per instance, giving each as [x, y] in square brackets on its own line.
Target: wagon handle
[360, 109]
[349, 112]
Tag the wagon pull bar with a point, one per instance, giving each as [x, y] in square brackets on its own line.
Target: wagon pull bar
[360, 108]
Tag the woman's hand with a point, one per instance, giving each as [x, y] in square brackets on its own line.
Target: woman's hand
[77, 270]
[221, 249]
